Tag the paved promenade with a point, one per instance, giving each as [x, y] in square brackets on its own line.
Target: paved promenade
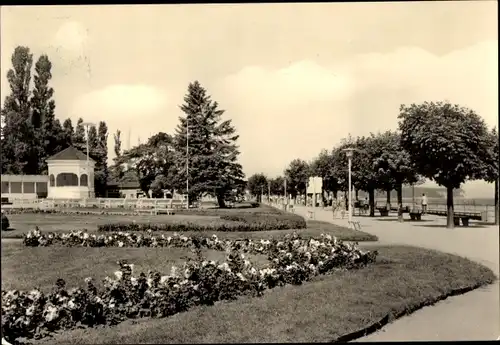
[472, 316]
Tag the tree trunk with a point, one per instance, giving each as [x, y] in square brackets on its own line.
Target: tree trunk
[450, 224]
[222, 202]
[335, 193]
[371, 201]
[496, 202]
[346, 201]
[357, 194]
[400, 202]
[388, 198]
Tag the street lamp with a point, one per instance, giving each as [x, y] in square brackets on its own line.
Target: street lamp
[187, 162]
[349, 153]
[87, 128]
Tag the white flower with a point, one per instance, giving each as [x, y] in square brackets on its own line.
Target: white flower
[224, 266]
[51, 313]
[118, 275]
[247, 263]
[204, 263]
[133, 281]
[163, 279]
[71, 305]
[85, 235]
[173, 271]
[253, 271]
[241, 276]
[30, 311]
[320, 263]
[187, 273]
[120, 244]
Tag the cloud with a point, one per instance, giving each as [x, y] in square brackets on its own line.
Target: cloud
[299, 109]
[71, 37]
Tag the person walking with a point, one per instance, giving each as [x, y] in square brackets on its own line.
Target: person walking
[424, 203]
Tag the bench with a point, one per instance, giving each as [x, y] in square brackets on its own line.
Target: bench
[162, 209]
[415, 215]
[465, 220]
[384, 212]
[355, 224]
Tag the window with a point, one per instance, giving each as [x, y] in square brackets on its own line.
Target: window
[41, 189]
[84, 180]
[5, 187]
[67, 180]
[52, 180]
[16, 187]
[29, 187]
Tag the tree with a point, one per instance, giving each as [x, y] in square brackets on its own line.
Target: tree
[212, 156]
[101, 157]
[78, 139]
[277, 186]
[491, 166]
[116, 170]
[118, 143]
[297, 175]
[446, 143]
[257, 185]
[154, 158]
[394, 167]
[363, 173]
[68, 133]
[47, 132]
[19, 150]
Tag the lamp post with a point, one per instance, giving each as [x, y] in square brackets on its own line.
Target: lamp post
[187, 162]
[87, 128]
[349, 153]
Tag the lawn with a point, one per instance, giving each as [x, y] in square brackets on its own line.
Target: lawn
[22, 223]
[322, 310]
[26, 267]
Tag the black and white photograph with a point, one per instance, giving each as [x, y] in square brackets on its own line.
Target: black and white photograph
[249, 172]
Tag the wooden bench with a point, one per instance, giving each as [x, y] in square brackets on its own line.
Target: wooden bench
[384, 212]
[355, 224]
[162, 209]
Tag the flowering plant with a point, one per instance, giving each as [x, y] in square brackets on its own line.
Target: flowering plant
[293, 260]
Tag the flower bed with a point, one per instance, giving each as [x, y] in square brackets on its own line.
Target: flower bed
[200, 282]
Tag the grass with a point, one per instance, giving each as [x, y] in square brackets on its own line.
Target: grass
[403, 279]
[22, 223]
[26, 267]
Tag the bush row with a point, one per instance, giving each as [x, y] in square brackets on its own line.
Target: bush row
[200, 282]
[242, 222]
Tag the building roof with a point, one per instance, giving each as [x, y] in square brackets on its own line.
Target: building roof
[69, 154]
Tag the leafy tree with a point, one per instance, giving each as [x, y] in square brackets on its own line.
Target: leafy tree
[100, 155]
[446, 143]
[297, 175]
[394, 167]
[116, 170]
[277, 186]
[19, 150]
[151, 159]
[68, 133]
[78, 140]
[213, 153]
[363, 173]
[257, 185]
[118, 143]
[491, 166]
[47, 131]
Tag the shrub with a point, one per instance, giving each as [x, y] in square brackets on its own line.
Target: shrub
[5, 222]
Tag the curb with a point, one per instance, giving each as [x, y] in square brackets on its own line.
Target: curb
[394, 316]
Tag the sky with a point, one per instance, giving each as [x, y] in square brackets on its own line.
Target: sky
[293, 78]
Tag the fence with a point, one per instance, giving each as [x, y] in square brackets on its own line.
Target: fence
[101, 203]
[434, 204]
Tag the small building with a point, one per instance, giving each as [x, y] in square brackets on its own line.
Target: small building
[71, 175]
[128, 190]
[26, 187]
